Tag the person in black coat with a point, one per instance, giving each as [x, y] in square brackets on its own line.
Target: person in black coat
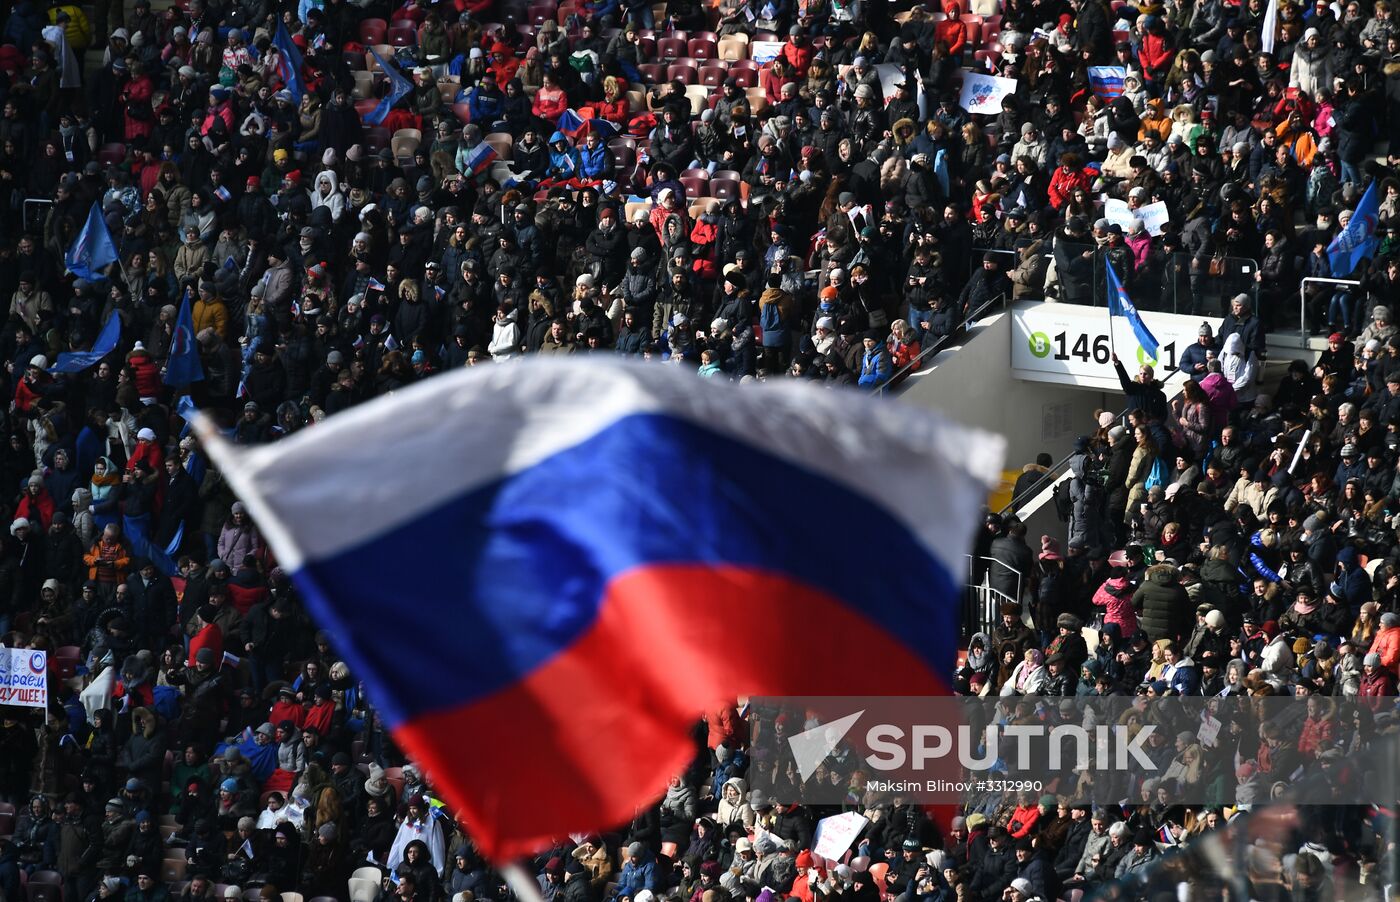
[152, 599]
[63, 551]
[1012, 561]
[997, 867]
[180, 503]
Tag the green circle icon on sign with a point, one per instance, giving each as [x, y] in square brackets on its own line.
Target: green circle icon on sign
[1143, 359]
[1039, 344]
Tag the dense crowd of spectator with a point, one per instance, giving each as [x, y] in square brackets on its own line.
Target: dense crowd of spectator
[609, 176]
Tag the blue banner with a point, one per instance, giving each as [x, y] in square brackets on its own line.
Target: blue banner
[290, 61]
[92, 251]
[106, 343]
[399, 87]
[1119, 304]
[1357, 241]
[182, 366]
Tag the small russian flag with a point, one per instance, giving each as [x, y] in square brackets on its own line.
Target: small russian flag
[375, 284]
[1107, 81]
[570, 123]
[222, 193]
[480, 158]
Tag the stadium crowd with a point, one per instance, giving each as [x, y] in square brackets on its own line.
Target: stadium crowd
[609, 176]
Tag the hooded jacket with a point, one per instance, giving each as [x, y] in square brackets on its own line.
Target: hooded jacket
[1162, 603]
[328, 196]
[731, 813]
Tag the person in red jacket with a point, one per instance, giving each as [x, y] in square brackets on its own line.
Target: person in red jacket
[797, 52]
[550, 100]
[287, 707]
[36, 505]
[147, 449]
[1155, 53]
[1068, 176]
[135, 100]
[206, 634]
[147, 374]
[503, 62]
[34, 384]
[613, 107]
[1376, 681]
[951, 30]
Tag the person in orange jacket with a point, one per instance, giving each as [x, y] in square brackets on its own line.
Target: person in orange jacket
[109, 560]
[1387, 641]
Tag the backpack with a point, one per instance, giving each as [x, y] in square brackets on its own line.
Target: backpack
[1064, 504]
[771, 318]
[1157, 475]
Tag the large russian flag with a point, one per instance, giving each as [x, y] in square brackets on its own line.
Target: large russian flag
[544, 572]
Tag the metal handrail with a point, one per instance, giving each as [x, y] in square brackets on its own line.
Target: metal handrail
[1005, 566]
[1303, 300]
[1053, 473]
[913, 366]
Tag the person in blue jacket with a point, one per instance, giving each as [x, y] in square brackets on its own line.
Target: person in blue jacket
[638, 873]
[874, 363]
[563, 158]
[486, 101]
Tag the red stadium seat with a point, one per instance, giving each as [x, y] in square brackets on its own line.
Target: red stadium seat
[373, 31]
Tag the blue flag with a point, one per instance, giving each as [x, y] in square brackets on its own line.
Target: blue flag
[1357, 241]
[1119, 304]
[290, 66]
[183, 366]
[77, 361]
[399, 87]
[93, 249]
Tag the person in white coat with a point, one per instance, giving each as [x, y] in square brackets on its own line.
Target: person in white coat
[1240, 367]
[418, 824]
[1312, 65]
[327, 194]
[1029, 677]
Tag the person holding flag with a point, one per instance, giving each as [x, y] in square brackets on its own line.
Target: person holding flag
[288, 62]
[1144, 391]
[93, 250]
[183, 366]
[1357, 239]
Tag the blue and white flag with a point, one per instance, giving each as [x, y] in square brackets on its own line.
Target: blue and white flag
[182, 366]
[399, 87]
[1357, 241]
[1107, 81]
[106, 343]
[92, 251]
[1119, 304]
[290, 64]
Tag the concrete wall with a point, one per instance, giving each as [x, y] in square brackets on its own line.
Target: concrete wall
[974, 385]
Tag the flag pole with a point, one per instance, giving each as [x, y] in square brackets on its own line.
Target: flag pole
[1108, 299]
[524, 888]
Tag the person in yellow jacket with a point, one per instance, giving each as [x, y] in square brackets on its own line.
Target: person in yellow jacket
[209, 311]
[76, 27]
